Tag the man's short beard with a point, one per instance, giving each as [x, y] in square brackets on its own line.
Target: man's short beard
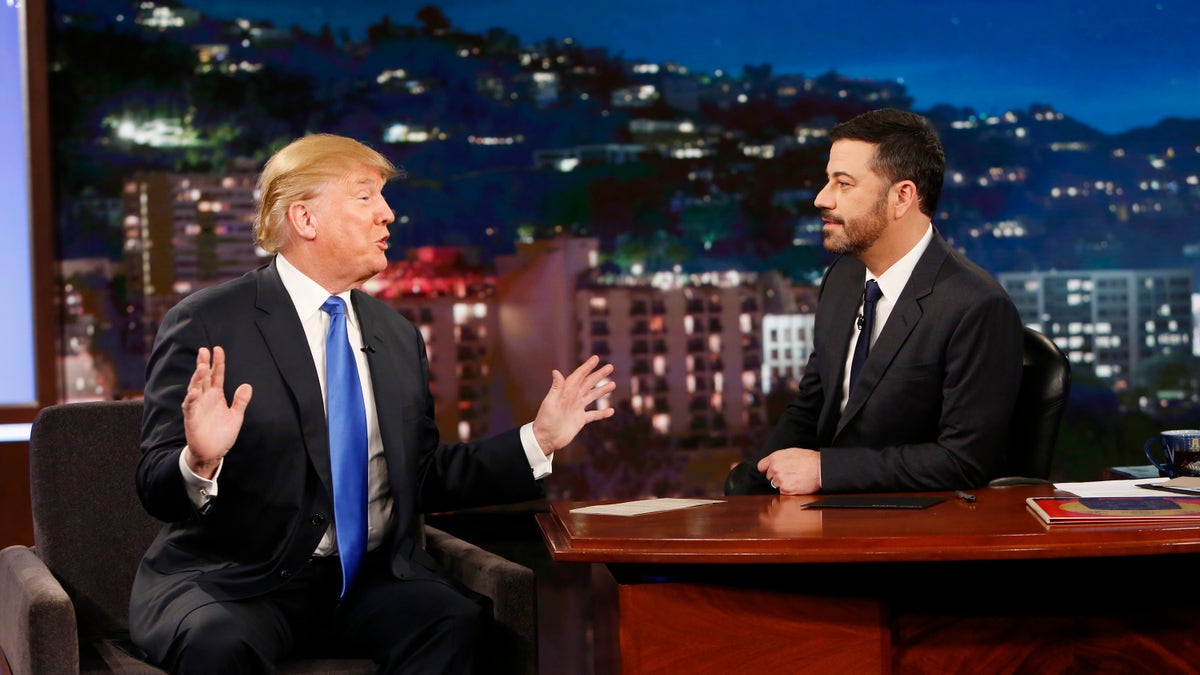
[855, 238]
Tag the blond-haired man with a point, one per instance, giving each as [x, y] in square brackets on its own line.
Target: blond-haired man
[237, 449]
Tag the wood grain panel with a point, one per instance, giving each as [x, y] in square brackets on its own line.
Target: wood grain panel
[1146, 642]
[16, 515]
[695, 628]
[765, 584]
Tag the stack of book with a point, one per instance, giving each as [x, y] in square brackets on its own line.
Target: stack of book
[1174, 500]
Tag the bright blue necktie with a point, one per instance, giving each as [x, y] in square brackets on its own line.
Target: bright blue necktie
[871, 295]
[347, 443]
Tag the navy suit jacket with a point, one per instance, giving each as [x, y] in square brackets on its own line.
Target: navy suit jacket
[930, 409]
[274, 502]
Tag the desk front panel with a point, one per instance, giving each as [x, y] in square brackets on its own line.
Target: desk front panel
[764, 584]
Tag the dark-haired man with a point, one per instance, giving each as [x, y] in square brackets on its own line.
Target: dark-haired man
[928, 403]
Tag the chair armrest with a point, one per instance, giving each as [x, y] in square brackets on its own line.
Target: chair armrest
[1011, 481]
[37, 619]
[512, 588]
[745, 479]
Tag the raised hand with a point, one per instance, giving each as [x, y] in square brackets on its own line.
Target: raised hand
[211, 425]
[564, 410]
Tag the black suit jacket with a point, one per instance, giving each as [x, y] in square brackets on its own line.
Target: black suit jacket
[931, 407]
[274, 501]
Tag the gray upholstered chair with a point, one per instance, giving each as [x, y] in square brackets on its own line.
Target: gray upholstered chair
[64, 602]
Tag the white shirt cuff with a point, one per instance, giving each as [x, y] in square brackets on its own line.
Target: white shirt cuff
[200, 490]
[538, 461]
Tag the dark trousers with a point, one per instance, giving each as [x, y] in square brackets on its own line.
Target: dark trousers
[410, 626]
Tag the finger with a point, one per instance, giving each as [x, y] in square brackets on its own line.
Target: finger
[764, 464]
[586, 367]
[241, 398]
[598, 376]
[556, 380]
[199, 379]
[605, 413]
[598, 392]
[590, 416]
[218, 372]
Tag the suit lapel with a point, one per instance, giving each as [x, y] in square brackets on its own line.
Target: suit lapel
[900, 324]
[284, 335]
[389, 381]
[844, 295]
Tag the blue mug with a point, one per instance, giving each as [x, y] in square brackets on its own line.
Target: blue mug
[1182, 449]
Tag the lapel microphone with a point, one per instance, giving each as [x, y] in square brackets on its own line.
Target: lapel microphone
[862, 300]
[371, 350]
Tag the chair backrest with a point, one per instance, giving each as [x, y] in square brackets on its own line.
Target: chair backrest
[88, 525]
[1045, 385]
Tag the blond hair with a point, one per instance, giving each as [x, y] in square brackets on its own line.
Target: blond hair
[300, 171]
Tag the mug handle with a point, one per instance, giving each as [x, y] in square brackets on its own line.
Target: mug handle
[1162, 470]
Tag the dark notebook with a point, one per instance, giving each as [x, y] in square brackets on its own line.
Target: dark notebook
[874, 502]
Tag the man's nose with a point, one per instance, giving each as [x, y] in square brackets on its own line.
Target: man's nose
[822, 200]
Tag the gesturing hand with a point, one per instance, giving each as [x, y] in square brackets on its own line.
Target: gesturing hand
[210, 425]
[564, 409]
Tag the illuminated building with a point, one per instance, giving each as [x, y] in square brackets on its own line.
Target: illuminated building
[453, 304]
[1109, 320]
[687, 349]
[691, 351]
[184, 232]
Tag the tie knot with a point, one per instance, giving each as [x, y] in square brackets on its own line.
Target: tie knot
[873, 292]
[334, 306]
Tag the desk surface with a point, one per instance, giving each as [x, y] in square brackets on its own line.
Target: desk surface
[774, 529]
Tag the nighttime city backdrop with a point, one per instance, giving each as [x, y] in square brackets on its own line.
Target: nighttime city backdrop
[635, 179]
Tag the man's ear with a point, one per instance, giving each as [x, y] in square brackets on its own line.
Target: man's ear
[906, 198]
[302, 220]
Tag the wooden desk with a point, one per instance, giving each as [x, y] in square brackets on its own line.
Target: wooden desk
[763, 584]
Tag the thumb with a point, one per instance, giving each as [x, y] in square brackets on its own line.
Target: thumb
[241, 398]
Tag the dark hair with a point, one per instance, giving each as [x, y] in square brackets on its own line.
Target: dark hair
[907, 148]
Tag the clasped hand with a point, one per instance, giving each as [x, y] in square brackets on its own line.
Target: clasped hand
[793, 471]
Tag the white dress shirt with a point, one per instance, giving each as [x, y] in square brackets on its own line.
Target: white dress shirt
[892, 283]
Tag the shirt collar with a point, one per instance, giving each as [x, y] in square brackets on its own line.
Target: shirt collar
[307, 295]
[893, 281]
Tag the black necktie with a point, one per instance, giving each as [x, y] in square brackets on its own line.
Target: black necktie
[866, 325]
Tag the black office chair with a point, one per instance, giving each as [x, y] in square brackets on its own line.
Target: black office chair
[1045, 384]
[1033, 431]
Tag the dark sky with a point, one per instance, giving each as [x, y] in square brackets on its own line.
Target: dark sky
[1113, 64]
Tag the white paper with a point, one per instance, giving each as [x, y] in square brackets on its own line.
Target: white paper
[1110, 488]
[642, 506]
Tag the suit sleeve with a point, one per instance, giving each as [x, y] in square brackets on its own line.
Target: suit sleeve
[463, 475]
[797, 427]
[160, 484]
